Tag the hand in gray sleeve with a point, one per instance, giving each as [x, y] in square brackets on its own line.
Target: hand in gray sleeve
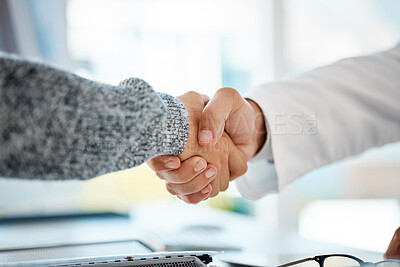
[56, 125]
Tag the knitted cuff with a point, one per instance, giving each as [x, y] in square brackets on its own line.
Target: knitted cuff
[175, 127]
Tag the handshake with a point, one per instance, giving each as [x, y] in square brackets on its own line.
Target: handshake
[224, 133]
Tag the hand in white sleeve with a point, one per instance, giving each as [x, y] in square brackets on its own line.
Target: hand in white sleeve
[326, 115]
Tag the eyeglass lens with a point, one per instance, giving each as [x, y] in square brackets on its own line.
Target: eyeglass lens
[338, 261]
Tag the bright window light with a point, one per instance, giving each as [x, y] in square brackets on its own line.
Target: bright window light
[366, 224]
[176, 45]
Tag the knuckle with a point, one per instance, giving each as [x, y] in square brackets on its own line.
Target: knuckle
[224, 187]
[214, 194]
[193, 94]
[231, 94]
[177, 189]
[214, 191]
[170, 190]
[158, 163]
[159, 175]
[162, 159]
[227, 91]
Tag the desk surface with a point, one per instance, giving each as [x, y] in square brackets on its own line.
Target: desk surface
[148, 222]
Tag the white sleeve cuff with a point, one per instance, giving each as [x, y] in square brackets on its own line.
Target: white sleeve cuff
[260, 180]
[261, 177]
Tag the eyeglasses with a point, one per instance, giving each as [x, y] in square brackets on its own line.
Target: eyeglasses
[343, 260]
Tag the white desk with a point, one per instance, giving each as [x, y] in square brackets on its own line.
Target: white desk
[166, 221]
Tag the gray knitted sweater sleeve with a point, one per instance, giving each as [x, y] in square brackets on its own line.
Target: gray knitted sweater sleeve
[56, 125]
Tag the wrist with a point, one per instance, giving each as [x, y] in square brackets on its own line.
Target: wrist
[260, 131]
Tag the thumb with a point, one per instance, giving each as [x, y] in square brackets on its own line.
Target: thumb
[214, 116]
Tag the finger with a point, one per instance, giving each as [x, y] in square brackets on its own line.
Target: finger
[159, 175]
[232, 165]
[197, 197]
[393, 251]
[214, 115]
[237, 162]
[194, 95]
[163, 163]
[221, 182]
[170, 190]
[196, 184]
[188, 170]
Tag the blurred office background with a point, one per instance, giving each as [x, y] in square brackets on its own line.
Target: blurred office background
[182, 45]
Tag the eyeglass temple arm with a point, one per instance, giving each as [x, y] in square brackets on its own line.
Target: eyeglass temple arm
[295, 262]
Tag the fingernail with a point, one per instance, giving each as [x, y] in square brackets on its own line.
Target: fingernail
[172, 164]
[205, 190]
[200, 165]
[205, 136]
[210, 173]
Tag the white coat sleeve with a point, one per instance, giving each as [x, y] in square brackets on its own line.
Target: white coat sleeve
[322, 116]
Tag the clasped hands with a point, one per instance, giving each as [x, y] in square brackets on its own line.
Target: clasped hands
[224, 133]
